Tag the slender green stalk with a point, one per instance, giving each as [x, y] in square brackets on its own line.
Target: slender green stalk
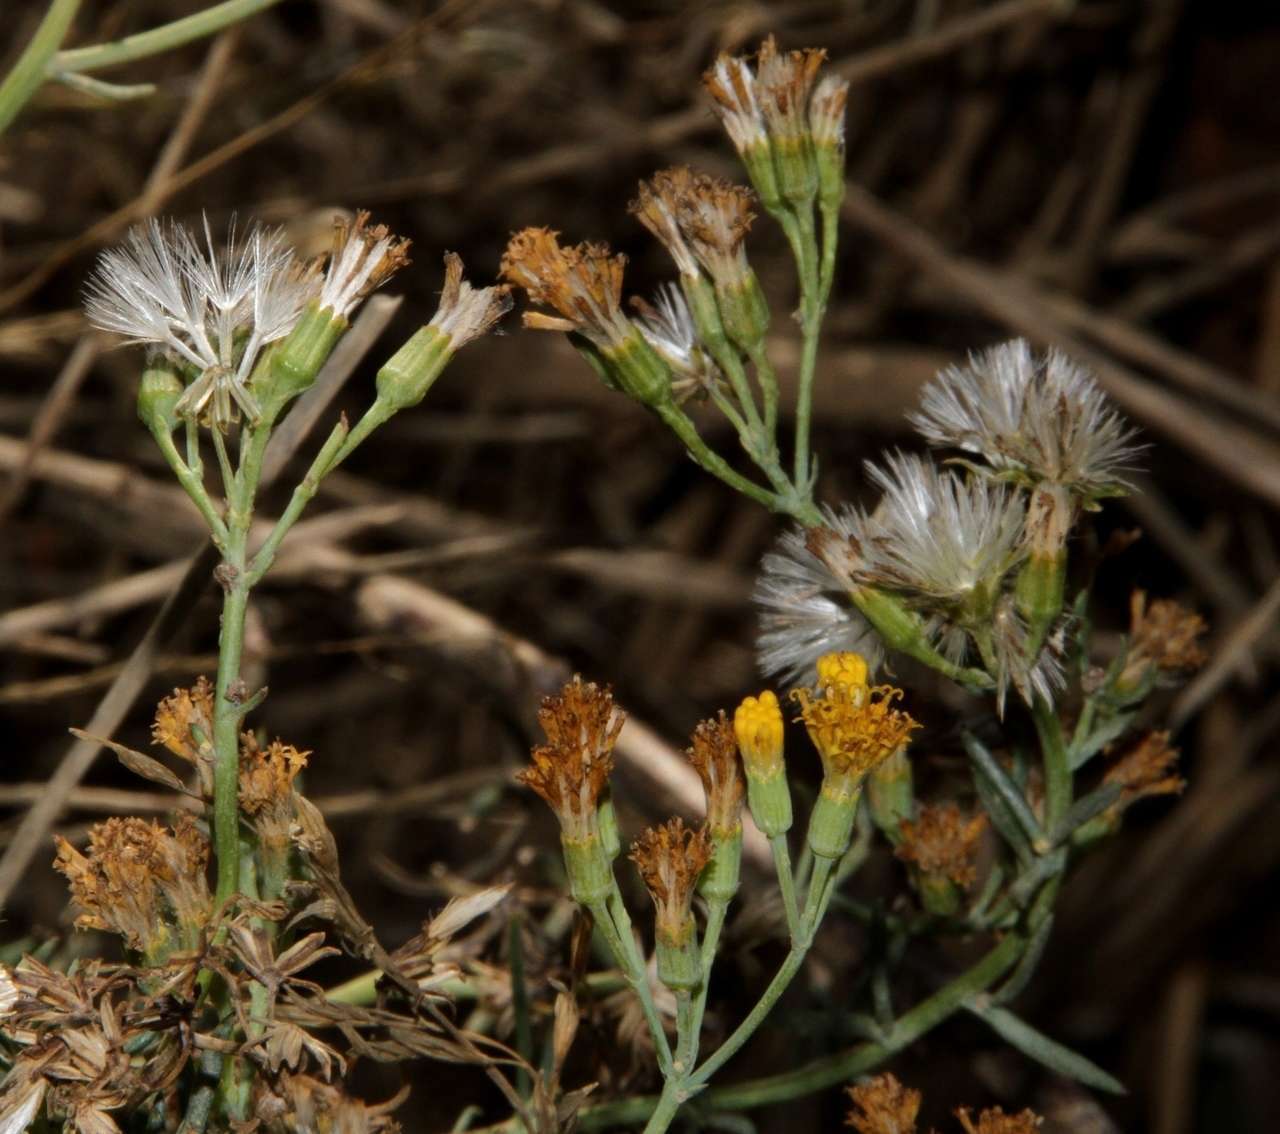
[156, 40]
[27, 74]
[786, 882]
[683, 427]
[687, 1025]
[194, 487]
[621, 942]
[811, 325]
[1058, 785]
[664, 1112]
[717, 912]
[227, 715]
[768, 381]
[830, 238]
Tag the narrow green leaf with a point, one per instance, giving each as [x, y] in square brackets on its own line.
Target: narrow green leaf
[1005, 804]
[1036, 1045]
[1027, 964]
[1085, 808]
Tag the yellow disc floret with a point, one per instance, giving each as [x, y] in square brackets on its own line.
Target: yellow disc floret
[757, 723]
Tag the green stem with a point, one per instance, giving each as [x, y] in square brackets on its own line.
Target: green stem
[686, 1030]
[768, 381]
[717, 912]
[664, 1112]
[811, 325]
[786, 882]
[26, 75]
[1058, 786]
[227, 716]
[830, 238]
[193, 485]
[683, 427]
[156, 40]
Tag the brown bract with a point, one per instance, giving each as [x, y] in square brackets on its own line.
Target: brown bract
[883, 1106]
[995, 1121]
[1148, 768]
[732, 86]
[712, 216]
[714, 755]
[670, 859]
[355, 241]
[572, 769]
[943, 842]
[583, 283]
[1162, 634]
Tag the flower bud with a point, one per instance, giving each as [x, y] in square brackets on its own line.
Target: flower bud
[757, 723]
[890, 795]
[158, 394]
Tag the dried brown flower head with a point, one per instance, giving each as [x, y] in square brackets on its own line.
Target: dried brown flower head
[995, 1121]
[1162, 635]
[656, 207]
[883, 1106]
[266, 786]
[313, 1106]
[712, 216]
[465, 312]
[853, 725]
[732, 85]
[827, 112]
[1148, 768]
[582, 283]
[670, 859]
[141, 881]
[943, 842]
[714, 755]
[184, 725]
[363, 258]
[572, 769]
[784, 82]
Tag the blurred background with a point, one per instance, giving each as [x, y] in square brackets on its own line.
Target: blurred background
[1103, 176]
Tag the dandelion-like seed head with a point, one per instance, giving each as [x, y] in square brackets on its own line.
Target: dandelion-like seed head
[362, 259]
[208, 309]
[943, 842]
[802, 593]
[882, 1105]
[465, 312]
[1031, 419]
[936, 536]
[714, 756]
[853, 725]
[572, 769]
[583, 284]
[1040, 675]
[670, 859]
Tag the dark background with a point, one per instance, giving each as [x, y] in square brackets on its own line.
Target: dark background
[1102, 176]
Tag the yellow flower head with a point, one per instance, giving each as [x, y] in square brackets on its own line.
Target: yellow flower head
[853, 725]
[757, 723]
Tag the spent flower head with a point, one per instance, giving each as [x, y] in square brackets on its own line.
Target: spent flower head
[667, 326]
[362, 259]
[571, 770]
[714, 755]
[1163, 639]
[670, 859]
[882, 1105]
[466, 312]
[207, 308]
[1148, 768]
[995, 1121]
[1031, 419]
[942, 841]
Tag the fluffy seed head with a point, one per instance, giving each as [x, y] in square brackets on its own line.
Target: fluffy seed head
[1031, 419]
[714, 755]
[207, 308]
[583, 284]
[802, 593]
[668, 327]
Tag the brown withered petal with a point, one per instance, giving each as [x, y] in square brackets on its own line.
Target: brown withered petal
[714, 755]
[943, 841]
[995, 1121]
[883, 1106]
[784, 81]
[465, 312]
[712, 216]
[180, 715]
[582, 282]
[266, 779]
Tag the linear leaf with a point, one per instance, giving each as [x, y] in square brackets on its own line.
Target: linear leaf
[1036, 1045]
[1099, 738]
